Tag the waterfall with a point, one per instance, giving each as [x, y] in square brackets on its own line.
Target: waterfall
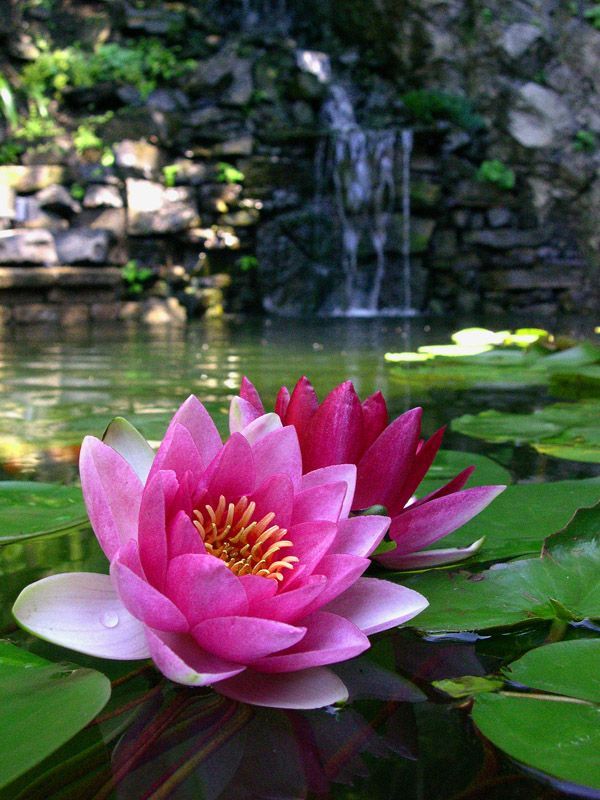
[407, 145]
[361, 165]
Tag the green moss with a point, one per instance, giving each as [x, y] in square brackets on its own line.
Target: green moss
[227, 173]
[426, 106]
[496, 172]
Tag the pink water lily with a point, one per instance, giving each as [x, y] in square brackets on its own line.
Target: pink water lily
[229, 566]
[391, 460]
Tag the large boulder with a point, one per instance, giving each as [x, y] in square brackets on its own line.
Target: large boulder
[154, 208]
[30, 178]
[82, 246]
[540, 117]
[27, 247]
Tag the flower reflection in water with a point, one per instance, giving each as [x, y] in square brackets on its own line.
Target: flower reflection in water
[218, 749]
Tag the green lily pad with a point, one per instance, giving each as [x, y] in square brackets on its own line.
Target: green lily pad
[563, 430]
[29, 509]
[517, 522]
[562, 582]
[558, 733]
[42, 705]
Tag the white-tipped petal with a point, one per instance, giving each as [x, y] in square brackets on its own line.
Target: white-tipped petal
[305, 688]
[81, 611]
[129, 442]
[259, 427]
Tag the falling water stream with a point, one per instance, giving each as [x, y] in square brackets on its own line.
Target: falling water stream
[361, 164]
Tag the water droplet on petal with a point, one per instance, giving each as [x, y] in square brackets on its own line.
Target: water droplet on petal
[109, 619]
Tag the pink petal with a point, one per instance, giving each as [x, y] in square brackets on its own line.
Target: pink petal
[291, 605]
[180, 659]
[309, 688]
[232, 473]
[156, 499]
[359, 536]
[311, 541]
[278, 453]
[260, 427]
[244, 639]
[422, 461]
[202, 586]
[341, 571]
[301, 408]
[375, 419]
[178, 452]
[420, 525]
[112, 493]
[81, 611]
[374, 605]
[320, 502]
[248, 392]
[129, 443]
[144, 601]
[193, 416]
[384, 468]
[276, 495]
[282, 402]
[241, 414]
[336, 430]
[328, 639]
[183, 538]
[333, 474]
[258, 589]
[429, 558]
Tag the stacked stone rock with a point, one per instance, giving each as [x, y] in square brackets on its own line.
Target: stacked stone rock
[70, 224]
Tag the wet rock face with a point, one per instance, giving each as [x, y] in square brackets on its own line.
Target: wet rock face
[213, 171]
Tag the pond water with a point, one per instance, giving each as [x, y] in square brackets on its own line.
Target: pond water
[399, 737]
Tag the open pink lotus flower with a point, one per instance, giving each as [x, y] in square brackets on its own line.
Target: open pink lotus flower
[228, 565]
[391, 461]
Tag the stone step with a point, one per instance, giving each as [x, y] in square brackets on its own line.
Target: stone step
[538, 278]
[60, 276]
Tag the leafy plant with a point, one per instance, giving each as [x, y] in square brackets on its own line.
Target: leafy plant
[584, 141]
[77, 191]
[246, 263]
[10, 152]
[170, 172]
[85, 138]
[227, 173]
[593, 15]
[496, 172]
[136, 277]
[8, 106]
[428, 105]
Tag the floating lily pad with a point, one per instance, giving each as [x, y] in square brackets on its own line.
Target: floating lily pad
[518, 521]
[563, 430]
[563, 582]
[558, 734]
[42, 705]
[29, 509]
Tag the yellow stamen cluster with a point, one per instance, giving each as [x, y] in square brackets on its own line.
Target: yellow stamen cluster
[247, 546]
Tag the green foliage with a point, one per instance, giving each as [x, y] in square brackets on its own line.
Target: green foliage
[38, 123]
[428, 105]
[496, 172]
[593, 15]
[77, 191]
[10, 152]
[85, 138]
[487, 16]
[170, 172]
[227, 173]
[136, 277]
[143, 63]
[247, 263]
[584, 142]
[8, 105]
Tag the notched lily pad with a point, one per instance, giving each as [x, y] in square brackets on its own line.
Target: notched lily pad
[558, 732]
[42, 705]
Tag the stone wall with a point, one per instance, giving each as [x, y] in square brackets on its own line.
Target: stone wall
[208, 180]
